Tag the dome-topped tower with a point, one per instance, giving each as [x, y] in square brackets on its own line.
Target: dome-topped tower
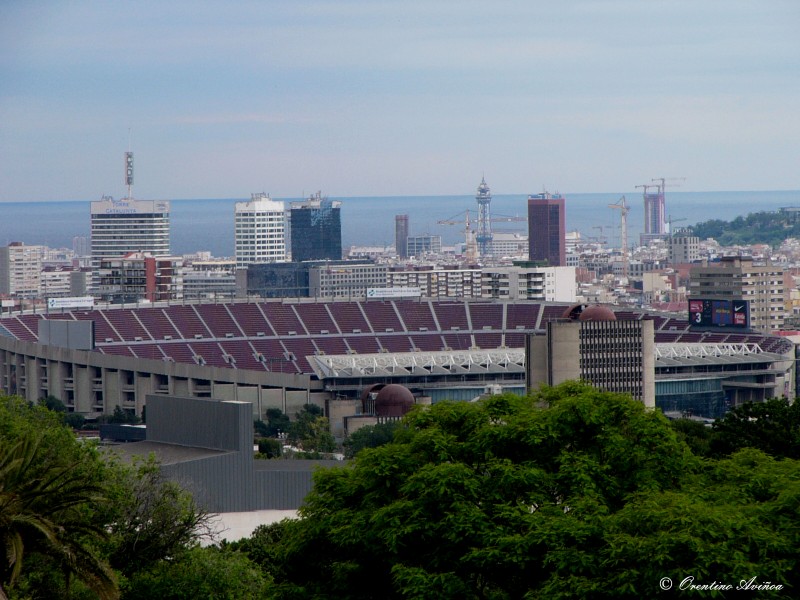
[593, 312]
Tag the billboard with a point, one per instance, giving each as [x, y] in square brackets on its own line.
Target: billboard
[129, 168]
[719, 313]
[395, 292]
[79, 302]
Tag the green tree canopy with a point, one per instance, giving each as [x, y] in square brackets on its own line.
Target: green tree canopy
[370, 436]
[49, 485]
[570, 493]
[311, 431]
[763, 227]
[149, 518]
[69, 514]
[772, 426]
[200, 573]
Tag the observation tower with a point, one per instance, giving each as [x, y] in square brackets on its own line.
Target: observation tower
[484, 235]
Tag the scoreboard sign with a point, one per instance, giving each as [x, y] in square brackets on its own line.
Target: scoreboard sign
[719, 313]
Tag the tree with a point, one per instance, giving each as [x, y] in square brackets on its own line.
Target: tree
[71, 419]
[370, 436]
[52, 403]
[265, 545]
[539, 497]
[42, 506]
[277, 422]
[150, 518]
[695, 434]
[122, 416]
[200, 573]
[772, 426]
[69, 514]
[269, 448]
[311, 431]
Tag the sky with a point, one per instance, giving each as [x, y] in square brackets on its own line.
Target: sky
[379, 98]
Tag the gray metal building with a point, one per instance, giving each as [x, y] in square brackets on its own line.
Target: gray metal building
[207, 447]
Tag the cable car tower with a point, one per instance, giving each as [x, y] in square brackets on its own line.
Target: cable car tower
[484, 235]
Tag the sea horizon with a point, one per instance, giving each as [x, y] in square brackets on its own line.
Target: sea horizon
[206, 224]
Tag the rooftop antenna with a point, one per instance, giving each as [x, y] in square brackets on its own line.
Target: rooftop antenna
[129, 167]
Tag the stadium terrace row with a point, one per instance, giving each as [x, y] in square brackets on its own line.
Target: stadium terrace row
[277, 336]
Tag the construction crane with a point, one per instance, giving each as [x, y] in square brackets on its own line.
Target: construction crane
[664, 181]
[473, 236]
[600, 238]
[470, 245]
[623, 209]
[670, 221]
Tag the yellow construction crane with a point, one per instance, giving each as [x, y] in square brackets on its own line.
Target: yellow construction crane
[471, 245]
[623, 209]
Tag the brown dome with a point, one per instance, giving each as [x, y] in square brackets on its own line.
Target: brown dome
[572, 312]
[393, 400]
[373, 389]
[597, 313]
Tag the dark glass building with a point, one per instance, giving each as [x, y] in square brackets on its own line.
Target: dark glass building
[547, 229]
[316, 229]
[401, 235]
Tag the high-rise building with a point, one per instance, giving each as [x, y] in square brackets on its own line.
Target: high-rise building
[260, 231]
[547, 229]
[654, 218]
[737, 278]
[591, 345]
[80, 245]
[401, 235]
[20, 270]
[316, 229]
[119, 227]
[654, 213]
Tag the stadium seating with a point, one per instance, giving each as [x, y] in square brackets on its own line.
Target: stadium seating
[277, 336]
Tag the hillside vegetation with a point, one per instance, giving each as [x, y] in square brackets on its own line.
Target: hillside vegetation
[756, 228]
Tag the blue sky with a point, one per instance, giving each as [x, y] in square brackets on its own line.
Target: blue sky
[396, 98]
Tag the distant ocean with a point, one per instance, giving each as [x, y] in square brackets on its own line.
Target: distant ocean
[208, 224]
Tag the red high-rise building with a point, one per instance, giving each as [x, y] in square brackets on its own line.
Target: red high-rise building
[547, 229]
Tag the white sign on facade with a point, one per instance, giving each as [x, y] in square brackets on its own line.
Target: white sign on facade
[394, 292]
[78, 302]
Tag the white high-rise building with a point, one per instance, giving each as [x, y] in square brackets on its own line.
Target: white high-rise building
[260, 231]
[120, 227]
[20, 270]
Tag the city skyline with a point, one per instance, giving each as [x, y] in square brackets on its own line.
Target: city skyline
[380, 99]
